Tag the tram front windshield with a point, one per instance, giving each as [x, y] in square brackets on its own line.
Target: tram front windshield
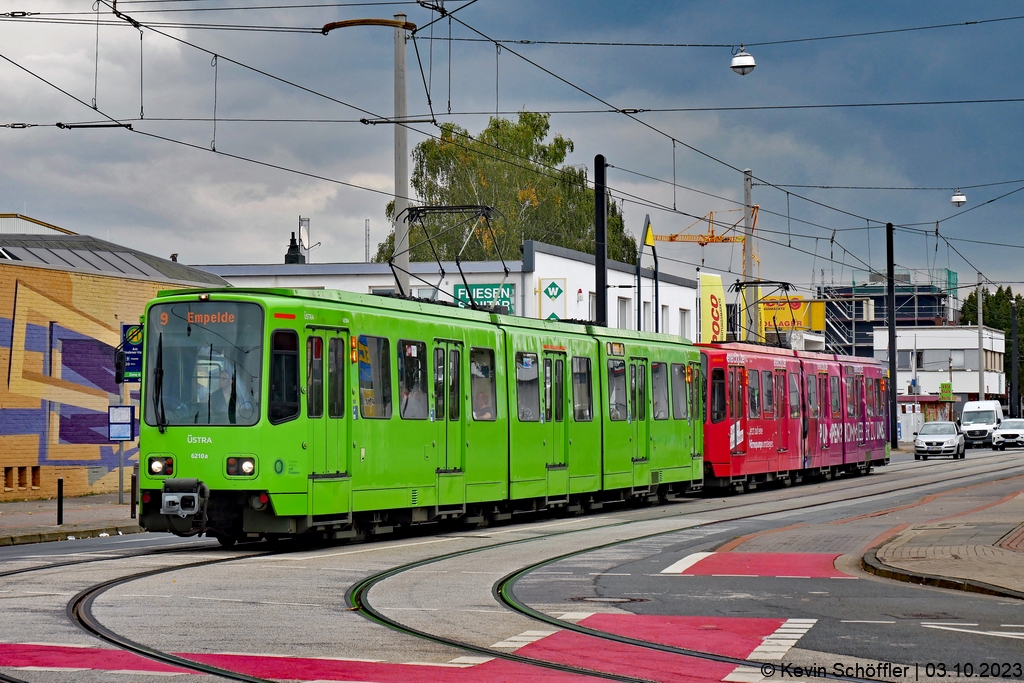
[203, 363]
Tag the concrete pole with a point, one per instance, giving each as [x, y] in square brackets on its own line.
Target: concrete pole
[1014, 385]
[751, 321]
[401, 162]
[600, 240]
[981, 343]
[890, 314]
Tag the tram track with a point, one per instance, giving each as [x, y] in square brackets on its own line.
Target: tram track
[79, 609]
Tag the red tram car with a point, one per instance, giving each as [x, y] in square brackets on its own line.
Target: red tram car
[777, 414]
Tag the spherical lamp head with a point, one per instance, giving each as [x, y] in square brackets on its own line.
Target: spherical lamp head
[959, 198]
[742, 62]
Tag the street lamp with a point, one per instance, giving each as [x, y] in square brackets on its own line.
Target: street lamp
[959, 198]
[401, 258]
[742, 62]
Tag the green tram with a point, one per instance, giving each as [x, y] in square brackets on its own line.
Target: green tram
[277, 412]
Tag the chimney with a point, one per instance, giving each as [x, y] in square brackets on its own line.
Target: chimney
[293, 254]
[174, 258]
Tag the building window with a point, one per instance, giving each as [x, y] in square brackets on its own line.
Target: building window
[664, 320]
[684, 323]
[903, 360]
[382, 291]
[648, 322]
[625, 313]
[957, 359]
[592, 307]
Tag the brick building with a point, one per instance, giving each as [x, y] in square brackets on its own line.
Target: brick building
[63, 298]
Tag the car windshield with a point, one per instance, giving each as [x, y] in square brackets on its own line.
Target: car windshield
[933, 429]
[978, 417]
[1012, 424]
[203, 363]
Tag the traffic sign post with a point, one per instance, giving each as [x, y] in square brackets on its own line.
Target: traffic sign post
[120, 428]
[131, 344]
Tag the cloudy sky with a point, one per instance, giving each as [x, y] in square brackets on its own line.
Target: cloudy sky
[164, 197]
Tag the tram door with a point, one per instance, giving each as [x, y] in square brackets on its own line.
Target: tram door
[449, 420]
[737, 416]
[327, 410]
[696, 413]
[782, 409]
[859, 397]
[554, 418]
[641, 428]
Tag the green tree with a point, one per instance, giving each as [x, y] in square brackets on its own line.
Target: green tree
[513, 167]
[997, 315]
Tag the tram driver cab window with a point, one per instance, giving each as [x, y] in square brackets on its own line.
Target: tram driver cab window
[481, 373]
[412, 378]
[528, 387]
[717, 394]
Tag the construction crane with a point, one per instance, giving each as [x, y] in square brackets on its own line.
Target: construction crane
[711, 237]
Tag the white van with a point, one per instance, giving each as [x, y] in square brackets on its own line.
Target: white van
[978, 419]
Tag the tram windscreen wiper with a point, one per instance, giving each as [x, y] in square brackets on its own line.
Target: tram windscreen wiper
[158, 385]
[234, 393]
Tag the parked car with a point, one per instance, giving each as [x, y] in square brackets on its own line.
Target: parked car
[1008, 433]
[939, 438]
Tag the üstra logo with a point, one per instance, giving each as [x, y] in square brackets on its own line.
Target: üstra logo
[199, 439]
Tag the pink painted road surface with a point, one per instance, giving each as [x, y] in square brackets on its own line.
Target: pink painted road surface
[732, 637]
[780, 565]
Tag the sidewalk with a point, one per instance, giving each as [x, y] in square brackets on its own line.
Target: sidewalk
[34, 521]
[981, 551]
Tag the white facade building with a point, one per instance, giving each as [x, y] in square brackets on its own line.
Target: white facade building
[929, 356]
[549, 282]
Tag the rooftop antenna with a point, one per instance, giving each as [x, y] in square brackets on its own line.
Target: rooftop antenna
[367, 240]
[304, 243]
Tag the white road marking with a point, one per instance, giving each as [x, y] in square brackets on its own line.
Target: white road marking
[606, 574]
[576, 616]
[132, 672]
[742, 576]
[470, 660]
[47, 668]
[946, 623]
[60, 645]
[865, 621]
[524, 638]
[779, 643]
[997, 634]
[685, 563]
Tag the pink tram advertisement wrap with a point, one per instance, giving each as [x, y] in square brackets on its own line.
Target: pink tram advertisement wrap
[777, 414]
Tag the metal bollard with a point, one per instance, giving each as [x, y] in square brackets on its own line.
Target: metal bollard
[60, 502]
[135, 494]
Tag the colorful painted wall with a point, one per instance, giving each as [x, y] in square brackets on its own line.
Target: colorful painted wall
[58, 331]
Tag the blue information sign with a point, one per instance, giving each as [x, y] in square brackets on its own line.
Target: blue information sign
[121, 423]
[131, 344]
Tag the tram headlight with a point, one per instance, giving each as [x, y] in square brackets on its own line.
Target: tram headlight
[161, 467]
[241, 466]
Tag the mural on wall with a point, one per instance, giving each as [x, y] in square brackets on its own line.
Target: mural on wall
[58, 331]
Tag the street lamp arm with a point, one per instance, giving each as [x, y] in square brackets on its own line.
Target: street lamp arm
[391, 23]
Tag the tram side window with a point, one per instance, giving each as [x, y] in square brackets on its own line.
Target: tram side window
[659, 390]
[823, 394]
[314, 377]
[794, 395]
[481, 371]
[641, 393]
[528, 387]
[559, 390]
[780, 393]
[717, 394]
[582, 395]
[454, 385]
[754, 389]
[851, 398]
[413, 403]
[812, 396]
[336, 378]
[548, 400]
[680, 396]
[284, 377]
[869, 396]
[858, 396]
[769, 393]
[374, 377]
[439, 383]
[732, 394]
[879, 399]
[617, 409]
[833, 391]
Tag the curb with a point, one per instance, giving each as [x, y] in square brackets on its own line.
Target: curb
[45, 537]
[872, 565]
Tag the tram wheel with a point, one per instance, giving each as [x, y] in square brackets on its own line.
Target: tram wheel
[226, 541]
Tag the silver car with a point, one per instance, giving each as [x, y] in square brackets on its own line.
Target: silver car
[1008, 433]
[939, 438]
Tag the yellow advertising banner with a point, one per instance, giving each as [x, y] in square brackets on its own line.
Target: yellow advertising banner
[792, 313]
[712, 308]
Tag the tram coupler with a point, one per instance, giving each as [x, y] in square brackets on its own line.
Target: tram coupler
[184, 498]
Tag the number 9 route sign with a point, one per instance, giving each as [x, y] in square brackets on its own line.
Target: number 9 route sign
[131, 344]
